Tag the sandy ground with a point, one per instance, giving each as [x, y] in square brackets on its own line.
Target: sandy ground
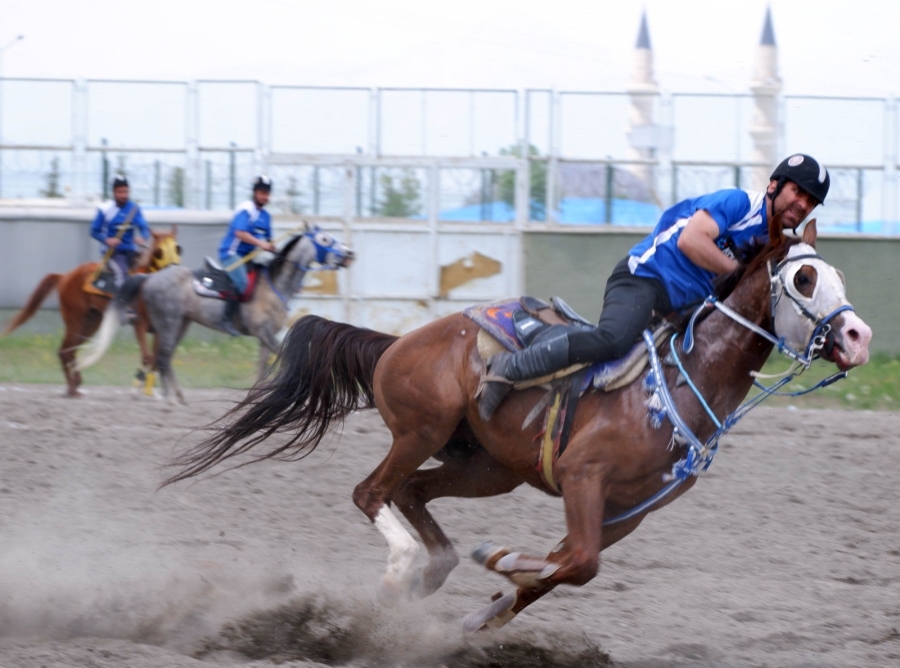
[785, 554]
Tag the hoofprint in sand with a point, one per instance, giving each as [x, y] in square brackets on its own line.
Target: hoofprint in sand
[785, 553]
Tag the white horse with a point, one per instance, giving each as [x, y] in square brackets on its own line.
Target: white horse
[172, 303]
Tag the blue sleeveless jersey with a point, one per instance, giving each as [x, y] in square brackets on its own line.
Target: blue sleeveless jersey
[741, 216]
[247, 218]
[108, 219]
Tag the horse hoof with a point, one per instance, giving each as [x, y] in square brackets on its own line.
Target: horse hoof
[484, 552]
[492, 616]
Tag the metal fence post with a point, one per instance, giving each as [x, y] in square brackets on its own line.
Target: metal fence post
[859, 199]
[105, 173]
[79, 141]
[231, 175]
[608, 203]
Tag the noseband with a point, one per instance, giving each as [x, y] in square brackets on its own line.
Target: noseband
[820, 324]
[821, 327]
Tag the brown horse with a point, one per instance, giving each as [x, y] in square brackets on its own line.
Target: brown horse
[82, 310]
[424, 385]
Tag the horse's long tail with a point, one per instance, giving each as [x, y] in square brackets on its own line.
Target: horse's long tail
[324, 371]
[95, 347]
[44, 288]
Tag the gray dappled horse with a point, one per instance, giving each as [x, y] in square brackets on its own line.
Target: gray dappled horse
[173, 303]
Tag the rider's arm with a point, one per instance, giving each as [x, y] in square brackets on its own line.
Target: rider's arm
[140, 223]
[253, 241]
[698, 242]
[97, 228]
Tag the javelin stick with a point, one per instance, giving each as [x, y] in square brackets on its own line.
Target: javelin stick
[252, 254]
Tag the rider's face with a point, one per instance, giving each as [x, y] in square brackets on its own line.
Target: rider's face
[793, 203]
[120, 194]
[261, 197]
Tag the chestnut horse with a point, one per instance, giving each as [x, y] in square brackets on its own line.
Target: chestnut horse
[82, 310]
[424, 385]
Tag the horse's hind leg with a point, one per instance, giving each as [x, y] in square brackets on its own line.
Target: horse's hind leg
[413, 444]
[169, 334]
[475, 476]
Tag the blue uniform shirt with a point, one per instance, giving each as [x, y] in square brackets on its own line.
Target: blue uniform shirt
[741, 216]
[247, 218]
[107, 221]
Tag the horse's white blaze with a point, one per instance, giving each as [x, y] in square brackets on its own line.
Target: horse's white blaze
[402, 545]
[855, 338]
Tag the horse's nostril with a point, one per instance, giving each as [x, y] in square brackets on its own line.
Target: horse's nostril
[852, 334]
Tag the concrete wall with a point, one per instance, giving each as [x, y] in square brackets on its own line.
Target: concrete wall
[576, 264]
[38, 241]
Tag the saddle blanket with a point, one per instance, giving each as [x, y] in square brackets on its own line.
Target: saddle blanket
[497, 333]
[214, 282]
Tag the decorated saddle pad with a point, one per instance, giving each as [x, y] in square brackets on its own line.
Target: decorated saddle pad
[498, 332]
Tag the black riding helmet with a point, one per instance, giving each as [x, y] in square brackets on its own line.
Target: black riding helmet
[118, 181]
[806, 172]
[262, 182]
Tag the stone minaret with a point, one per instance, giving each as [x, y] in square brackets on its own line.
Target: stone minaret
[643, 91]
[766, 86]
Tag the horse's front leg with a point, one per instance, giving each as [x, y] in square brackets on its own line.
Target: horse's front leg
[574, 561]
[268, 346]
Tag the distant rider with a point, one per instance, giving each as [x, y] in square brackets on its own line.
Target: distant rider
[105, 229]
[251, 228]
[670, 270]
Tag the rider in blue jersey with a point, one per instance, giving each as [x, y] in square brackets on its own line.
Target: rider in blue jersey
[670, 270]
[105, 229]
[251, 228]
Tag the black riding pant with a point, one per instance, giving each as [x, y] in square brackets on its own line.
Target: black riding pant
[628, 307]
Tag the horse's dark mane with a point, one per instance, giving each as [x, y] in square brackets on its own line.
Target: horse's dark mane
[277, 265]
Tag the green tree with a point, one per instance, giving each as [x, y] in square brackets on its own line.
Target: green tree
[506, 181]
[400, 199]
[176, 186]
[52, 189]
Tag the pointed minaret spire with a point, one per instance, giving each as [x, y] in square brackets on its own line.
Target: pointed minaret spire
[766, 87]
[642, 92]
[643, 39]
[768, 33]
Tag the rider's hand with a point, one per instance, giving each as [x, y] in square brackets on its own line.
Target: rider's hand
[113, 242]
[268, 246]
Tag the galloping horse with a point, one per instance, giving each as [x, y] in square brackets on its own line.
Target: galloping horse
[618, 460]
[173, 303]
[81, 307]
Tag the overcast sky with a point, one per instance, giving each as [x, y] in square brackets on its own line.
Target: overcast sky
[827, 47]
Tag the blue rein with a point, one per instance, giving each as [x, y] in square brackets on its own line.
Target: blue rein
[699, 454]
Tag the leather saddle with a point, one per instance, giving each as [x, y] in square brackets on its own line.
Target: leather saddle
[213, 281]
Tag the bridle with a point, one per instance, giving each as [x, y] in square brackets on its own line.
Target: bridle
[779, 280]
[328, 257]
[699, 454]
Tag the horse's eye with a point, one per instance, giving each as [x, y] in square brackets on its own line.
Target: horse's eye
[801, 280]
[324, 239]
[178, 249]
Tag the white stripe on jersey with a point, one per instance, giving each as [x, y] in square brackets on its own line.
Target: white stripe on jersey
[754, 215]
[661, 238]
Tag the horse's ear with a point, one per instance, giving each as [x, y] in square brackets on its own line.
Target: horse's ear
[174, 231]
[809, 233]
[776, 231]
[305, 225]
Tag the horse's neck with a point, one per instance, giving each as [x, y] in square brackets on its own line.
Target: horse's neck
[143, 260]
[726, 352]
[289, 276]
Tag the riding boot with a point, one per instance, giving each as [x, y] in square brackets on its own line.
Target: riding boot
[548, 353]
[232, 307]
